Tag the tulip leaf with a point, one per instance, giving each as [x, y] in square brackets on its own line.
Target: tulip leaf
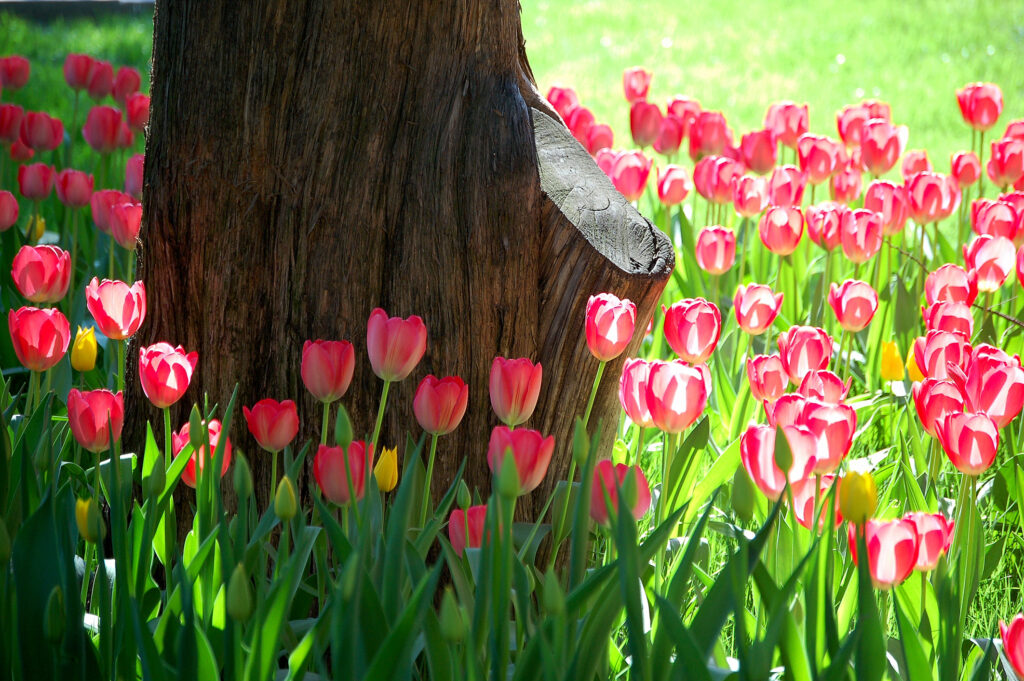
[396, 649]
[917, 666]
[687, 656]
[870, 656]
[711, 480]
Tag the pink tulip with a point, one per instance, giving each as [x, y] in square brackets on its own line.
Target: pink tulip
[823, 223]
[10, 123]
[327, 368]
[440, 403]
[563, 99]
[181, 438]
[892, 550]
[860, 234]
[914, 162]
[36, 181]
[932, 197]
[804, 349]
[756, 307]
[514, 389]
[749, 195]
[759, 150]
[165, 372]
[804, 497]
[274, 424]
[579, 122]
[1015, 129]
[609, 325]
[850, 123]
[335, 469]
[126, 83]
[970, 440]
[714, 177]
[993, 258]
[768, 380]
[757, 451]
[716, 249]
[102, 202]
[644, 122]
[609, 478]
[125, 222]
[934, 352]
[692, 329]
[530, 450]
[1020, 253]
[949, 316]
[395, 345]
[825, 386]
[102, 128]
[673, 185]
[709, 135]
[846, 183]
[8, 210]
[834, 426]
[633, 392]
[101, 80]
[41, 132]
[119, 309]
[133, 175]
[1013, 643]
[40, 337]
[635, 82]
[934, 533]
[670, 135]
[787, 121]
[14, 72]
[469, 522]
[599, 136]
[786, 186]
[819, 157]
[77, 69]
[685, 109]
[965, 167]
[781, 228]
[788, 410]
[995, 218]
[889, 201]
[854, 304]
[993, 384]
[1006, 162]
[951, 283]
[136, 110]
[980, 104]
[92, 415]
[42, 273]
[74, 188]
[881, 145]
[676, 395]
[629, 174]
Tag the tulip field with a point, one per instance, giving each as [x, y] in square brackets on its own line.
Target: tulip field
[817, 470]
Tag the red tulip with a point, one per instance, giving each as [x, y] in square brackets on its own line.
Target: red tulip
[786, 186]
[850, 123]
[994, 385]
[514, 389]
[125, 222]
[709, 135]
[716, 249]
[949, 316]
[633, 392]
[969, 440]
[126, 83]
[685, 109]
[781, 228]
[996, 218]
[14, 72]
[670, 135]
[787, 121]
[676, 395]
[118, 309]
[92, 415]
[1013, 643]
[20, 152]
[692, 329]
[1006, 162]
[635, 83]
[756, 307]
[759, 150]
[1015, 129]
[395, 345]
[825, 386]
[804, 497]
[644, 122]
[165, 372]
[819, 157]
[102, 202]
[40, 337]
[757, 451]
[629, 174]
[10, 122]
[915, 162]
[993, 258]
[74, 188]
[749, 195]
[274, 424]
[580, 120]
[845, 184]
[609, 325]
[77, 69]
[980, 104]
[1020, 253]
[8, 210]
[181, 438]
[36, 181]
[41, 132]
[673, 185]
[102, 128]
[936, 351]
[101, 79]
[530, 450]
[42, 273]
[335, 469]
[934, 533]
[1015, 199]
[804, 349]
[599, 136]
[469, 522]
[609, 478]
[834, 426]
[563, 99]
[136, 109]
[965, 167]
[932, 197]
[133, 175]
[327, 368]
[892, 550]
[890, 201]
[823, 223]
[714, 176]
[788, 410]
[767, 378]
[860, 234]
[881, 145]
[951, 283]
[440, 403]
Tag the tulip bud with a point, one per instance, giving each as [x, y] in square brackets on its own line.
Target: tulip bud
[197, 433]
[154, 483]
[508, 476]
[239, 603]
[742, 494]
[453, 624]
[892, 362]
[90, 524]
[342, 428]
[285, 504]
[242, 477]
[36, 227]
[83, 352]
[858, 497]
[462, 497]
[53, 617]
[580, 444]
[5, 543]
[386, 470]
[554, 597]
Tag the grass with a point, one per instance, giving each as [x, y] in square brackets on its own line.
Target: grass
[739, 57]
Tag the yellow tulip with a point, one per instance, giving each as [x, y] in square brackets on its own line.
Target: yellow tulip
[87, 517]
[83, 352]
[913, 371]
[858, 497]
[36, 227]
[892, 362]
[386, 470]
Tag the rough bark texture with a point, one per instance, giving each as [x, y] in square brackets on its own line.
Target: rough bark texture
[310, 161]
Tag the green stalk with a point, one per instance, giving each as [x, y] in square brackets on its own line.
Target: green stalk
[326, 421]
[430, 476]
[33, 393]
[120, 363]
[380, 412]
[593, 394]
[273, 479]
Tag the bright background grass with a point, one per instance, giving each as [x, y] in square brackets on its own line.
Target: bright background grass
[739, 56]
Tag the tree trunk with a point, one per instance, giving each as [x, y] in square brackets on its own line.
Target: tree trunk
[310, 161]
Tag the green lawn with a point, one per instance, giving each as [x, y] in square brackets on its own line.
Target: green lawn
[740, 56]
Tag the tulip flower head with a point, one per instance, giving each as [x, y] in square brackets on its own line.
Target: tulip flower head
[965, 167]
[860, 234]
[949, 316]
[951, 283]
[823, 223]
[165, 372]
[756, 308]
[636, 80]
[514, 388]
[758, 453]
[630, 171]
[932, 197]
[42, 273]
[102, 202]
[858, 497]
[440, 404]
[970, 440]
[1013, 643]
[644, 122]
[768, 380]
[692, 328]
[395, 345]
[786, 186]
[834, 426]
[35, 182]
[8, 210]
[670, 135]
[825, 386]
[992, 258]
[676, 395]
[77, 69]
[93, 415]
[787, 120]
[274, 424]
[716, 249]
[781, 228]
[609, 325]
[892, 550]
[889, 201]
[854, 304]
[935, 352]
[633, 392]
[759, 150]
[609, 479]
[327, 368]
[881, 145]
[673, 185]
[750, 195]
[804, 349]
[563, 99]
[1005, 165]
[386, 470]
[40, 337]
[818, 156]
[980, 104]
[336, 468]
[892, 362]
[709, 135]
[530, 450]
[804, 497]
[914, 162]
[935, 532]
[83, 350]
[74, 188]
[996, 218]
[182, 438]
[466, 528]
[119, 309]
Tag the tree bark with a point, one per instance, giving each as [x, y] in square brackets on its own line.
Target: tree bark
[310, 161]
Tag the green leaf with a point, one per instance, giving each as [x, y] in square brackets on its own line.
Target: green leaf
[918, 668]
[396, 650]
[869, 658]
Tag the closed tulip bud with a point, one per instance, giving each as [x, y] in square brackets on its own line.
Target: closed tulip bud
[119, 309]
[386, 470]
[154, 483]
[77, 69]
[670, 135]
[451, 618]
[514, 388]
[53, 617]
[195, 425]
[858, 497]
[462, 497]
[692, 329]
[137, 111]
[553, 595]
[756, 308]
[14, 72]
[466, 528]
[629, 173]
[980, 104]
[636, 80]
[994, 384]
[834, 426]
[530, 456]
[854, 304]
[285, 503]
[644, 123]
[892, 362]
[850, 123]
[823, 223]
[10, 123]
[342, 428]
[327, 368]
[36, 181]
[335, 468]
[825, 386]
[5, 543]
[716, 249]
[860, 234]
[781, 228]
[759, 150]
[633, 392]
[673, 185]
[609, 478]
[609, 325]
[742, 496]
[676, 395]
[818, 156]
[1013, 643]
[685, 109]
[40, 337]
[127, 82]
[965, 167]
[41, 132]
[892, 550]
[274, 424]
[395, 345]
[709, 135]
[89, 520]
[74, 188]
[714, 177]
[125, 223]
[93, 415]
[242, 478]
[786, 186]
[239, 598]
[881, 145]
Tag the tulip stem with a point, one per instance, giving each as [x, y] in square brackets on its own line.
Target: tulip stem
[380, 412]
[326, 421]
[741, 250]
[593, 394]
[981, 162]
[33, 393]
[426, 484]
[273, 479]
[559, 529]
[120, 364]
